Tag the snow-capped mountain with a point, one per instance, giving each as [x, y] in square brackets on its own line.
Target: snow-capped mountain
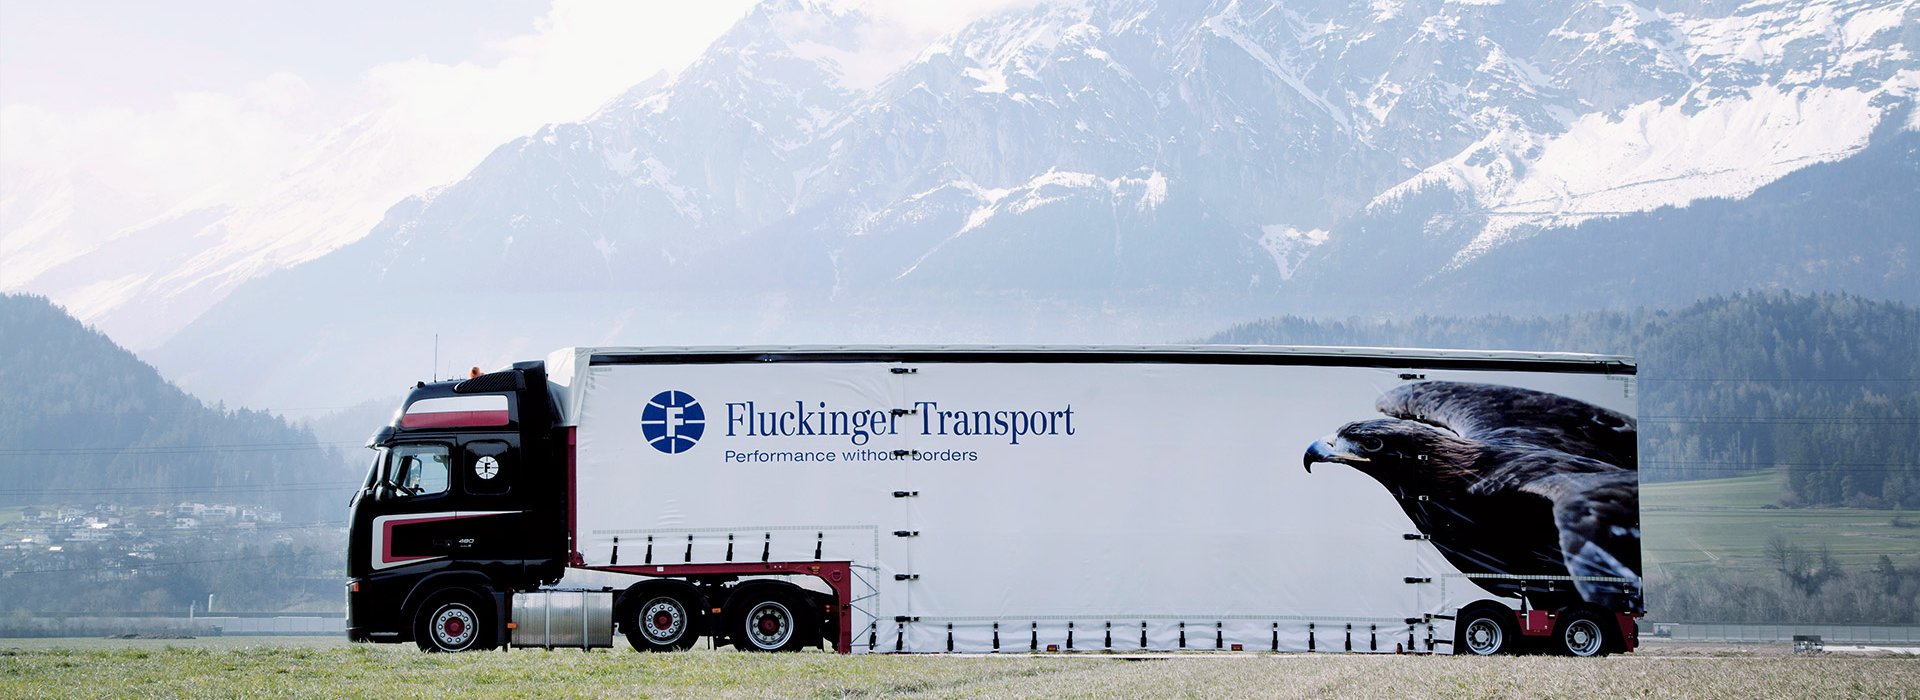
[1123, 170]
[145, 278]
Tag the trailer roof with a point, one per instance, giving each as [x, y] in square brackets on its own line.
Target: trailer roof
[1225, 354]
[565, 363]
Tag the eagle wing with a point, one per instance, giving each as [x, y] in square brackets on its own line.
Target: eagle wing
[1511, 415]
[1598, 516]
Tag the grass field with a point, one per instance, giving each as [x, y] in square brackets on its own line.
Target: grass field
[292, 670]
[1726, 523]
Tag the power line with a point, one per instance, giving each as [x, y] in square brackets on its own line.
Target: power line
[233, 527]
[178, 411]
[176, 449]
[1773, 463]
[130, 490]
[1764, 380]
[1731, 472]
[1784, 420]
[159, 564]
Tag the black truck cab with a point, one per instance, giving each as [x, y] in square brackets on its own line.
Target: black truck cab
[464, 503]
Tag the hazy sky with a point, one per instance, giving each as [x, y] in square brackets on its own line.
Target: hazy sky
[163, 100]
[94, 54]
[151, 108]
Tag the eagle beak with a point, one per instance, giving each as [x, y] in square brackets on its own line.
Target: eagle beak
[1331, 448]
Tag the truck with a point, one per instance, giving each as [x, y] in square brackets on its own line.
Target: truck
[1009, 499]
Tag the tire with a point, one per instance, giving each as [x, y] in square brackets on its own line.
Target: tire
[657, 620]
[1581, 633]
[1485, 632]
[454, 621]
[769, 619]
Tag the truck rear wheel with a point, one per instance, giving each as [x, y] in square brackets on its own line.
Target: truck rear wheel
[1581, 633]
[661, 621]
[768, 620]
[451, 622]
[1485, 632]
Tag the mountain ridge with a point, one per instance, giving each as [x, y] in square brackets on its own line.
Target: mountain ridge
[88, 422]
[1112, 171]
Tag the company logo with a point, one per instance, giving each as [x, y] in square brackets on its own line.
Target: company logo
[673, 421]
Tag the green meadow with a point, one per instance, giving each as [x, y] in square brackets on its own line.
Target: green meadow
[1727, 523]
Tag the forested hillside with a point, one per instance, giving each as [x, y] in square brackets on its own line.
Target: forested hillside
[86, 422]
[1825, 387]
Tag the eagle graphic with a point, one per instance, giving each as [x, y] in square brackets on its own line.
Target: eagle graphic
[1530, 487]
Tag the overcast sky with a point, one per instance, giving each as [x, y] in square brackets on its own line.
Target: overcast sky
[158, 107]
[161, 100]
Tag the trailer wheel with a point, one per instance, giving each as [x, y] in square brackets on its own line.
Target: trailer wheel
[768, 620]
[1581, 633]
[451, 622]
[662, 622]
[1485, 632]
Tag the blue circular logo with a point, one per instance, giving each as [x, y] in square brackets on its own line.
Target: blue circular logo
[673, 421]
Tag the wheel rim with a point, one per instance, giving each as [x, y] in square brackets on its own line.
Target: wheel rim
[663, 620]
[1484, 636]
[769, 625]
[1582, 637]
[454, 627]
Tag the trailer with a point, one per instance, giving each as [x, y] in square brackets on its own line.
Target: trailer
[1009, 499]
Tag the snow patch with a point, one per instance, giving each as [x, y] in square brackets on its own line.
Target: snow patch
[1220, 27]
[1906, 84]
[1044, 189]
[621, 163]
[991, 81]
[96, 299]
[1289, 246]
[1384, 10]
[660, 177]
[1652, 155]
[1863, 25]
[1154, 194]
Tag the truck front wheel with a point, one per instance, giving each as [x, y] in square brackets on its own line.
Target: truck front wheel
[453, 621]
[768, 620]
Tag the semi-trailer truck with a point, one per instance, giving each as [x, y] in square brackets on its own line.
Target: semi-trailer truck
[1008, 499]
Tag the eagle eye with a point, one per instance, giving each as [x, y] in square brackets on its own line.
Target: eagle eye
[1370, 444]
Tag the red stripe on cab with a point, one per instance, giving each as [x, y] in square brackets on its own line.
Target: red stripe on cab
[454, 419]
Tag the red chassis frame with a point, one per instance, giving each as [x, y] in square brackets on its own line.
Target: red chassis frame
[838, 575]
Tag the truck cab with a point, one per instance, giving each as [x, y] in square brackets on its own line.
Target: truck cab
[461, 506]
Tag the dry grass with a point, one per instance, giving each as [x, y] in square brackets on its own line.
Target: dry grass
[391, 671]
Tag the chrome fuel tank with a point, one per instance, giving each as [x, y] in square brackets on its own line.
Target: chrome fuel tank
[575, 619]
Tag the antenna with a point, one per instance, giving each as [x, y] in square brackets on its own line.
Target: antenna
[436, 357]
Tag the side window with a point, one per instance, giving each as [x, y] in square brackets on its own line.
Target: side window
[420, 470]
[490, 468]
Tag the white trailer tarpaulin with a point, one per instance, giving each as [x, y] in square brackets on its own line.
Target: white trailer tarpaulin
[1006, 501]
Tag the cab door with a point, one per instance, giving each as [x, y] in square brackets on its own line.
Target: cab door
[496, 524]
[413, 512]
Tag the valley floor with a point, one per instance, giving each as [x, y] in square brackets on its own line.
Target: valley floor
[327, 667]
